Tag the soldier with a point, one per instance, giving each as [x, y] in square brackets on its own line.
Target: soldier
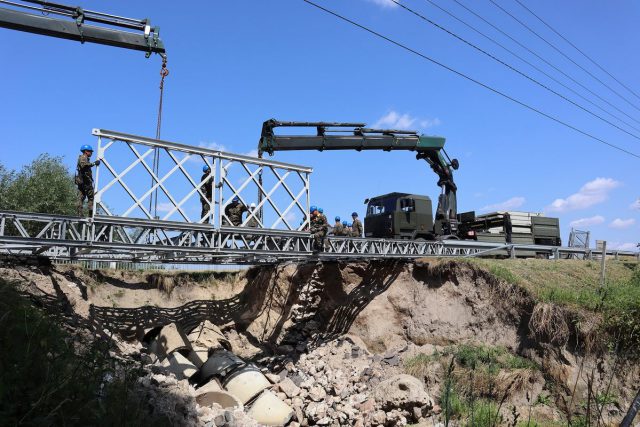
[84, 179]
[356, 228]
[321, 212]
[347, 229]
[338, 229]
[319, 228]
[252, 222]
[207, 193]
[234, 211]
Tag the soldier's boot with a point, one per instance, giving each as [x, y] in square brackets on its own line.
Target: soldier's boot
[90, 213]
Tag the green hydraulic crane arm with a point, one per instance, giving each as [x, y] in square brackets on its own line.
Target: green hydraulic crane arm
[356, 136]
[71, 25]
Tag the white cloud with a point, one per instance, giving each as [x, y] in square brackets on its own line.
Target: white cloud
[622, 246]
[622, 223]
[384, 3]
[395, 120]
[507, 205]
[592, 193]
[587, 222]
[635, 205]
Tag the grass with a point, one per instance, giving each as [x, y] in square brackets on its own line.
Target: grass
[575, 284]
[47, 379]
[470, 391]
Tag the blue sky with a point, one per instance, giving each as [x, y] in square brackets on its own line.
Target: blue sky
[235, 64]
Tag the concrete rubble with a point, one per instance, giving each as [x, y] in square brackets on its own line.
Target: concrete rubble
[221, 386]
[336, 383]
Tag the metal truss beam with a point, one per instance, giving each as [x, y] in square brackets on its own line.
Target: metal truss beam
[112, 238]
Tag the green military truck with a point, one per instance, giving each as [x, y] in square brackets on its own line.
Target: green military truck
[399, 216]
[410, 216]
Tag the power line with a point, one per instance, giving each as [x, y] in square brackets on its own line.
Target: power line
[543, 60]
[491, 39]
[576, 48]
[563, 54]
[471, 79]
[512, 68]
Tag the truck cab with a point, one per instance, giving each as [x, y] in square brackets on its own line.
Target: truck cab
[399, 216]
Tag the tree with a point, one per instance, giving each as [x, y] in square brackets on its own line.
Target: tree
[44, 186]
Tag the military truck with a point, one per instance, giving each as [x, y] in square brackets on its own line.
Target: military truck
[410, 216]
[399, 216]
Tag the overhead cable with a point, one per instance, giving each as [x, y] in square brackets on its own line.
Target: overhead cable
[471, 79]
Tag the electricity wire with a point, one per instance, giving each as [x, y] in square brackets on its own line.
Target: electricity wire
[512, 68]
[543, 59]
[471, 79]
[576, 48]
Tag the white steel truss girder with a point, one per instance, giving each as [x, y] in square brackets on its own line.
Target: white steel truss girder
[184, 193]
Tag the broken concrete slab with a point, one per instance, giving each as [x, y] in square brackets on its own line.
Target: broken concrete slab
[179, 365]
[222, 398]
[170, 339]
[198, 356]
[209, 336]
[246, 383]
[212, 385]
[269, 410]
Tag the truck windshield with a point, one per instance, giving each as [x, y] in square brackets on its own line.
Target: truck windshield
[382, 206]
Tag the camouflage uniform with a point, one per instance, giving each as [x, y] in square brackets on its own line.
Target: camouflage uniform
[84, 181]
[356, 228]
[253, 222]
[319, 228]
[338, 229]
[207, 190]
[234, 211]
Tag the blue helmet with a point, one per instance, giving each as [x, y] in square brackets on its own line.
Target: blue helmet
[320, 210]
[337, 218]
[349, 224]
[236, 199]
[354, 214]
[313, 209]
[86, 148]
[344, 223]
[205, 168]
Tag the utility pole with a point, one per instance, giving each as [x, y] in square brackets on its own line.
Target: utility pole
[603, 264]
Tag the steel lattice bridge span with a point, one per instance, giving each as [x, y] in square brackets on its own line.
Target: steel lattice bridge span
[148, 209]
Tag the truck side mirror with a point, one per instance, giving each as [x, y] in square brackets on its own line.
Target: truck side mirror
[455, 164]
[366, 201]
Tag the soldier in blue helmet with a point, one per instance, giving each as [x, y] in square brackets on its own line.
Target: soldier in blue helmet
[319, 228]
[338, 229]
[207, 193]
[356, 228]
[84, 179]
[233, 211]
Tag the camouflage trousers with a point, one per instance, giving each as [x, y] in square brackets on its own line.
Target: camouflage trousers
[204, 212]
[318, 240]
[84, 192]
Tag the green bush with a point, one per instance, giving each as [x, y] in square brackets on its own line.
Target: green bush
[45, 379]
[44, 186]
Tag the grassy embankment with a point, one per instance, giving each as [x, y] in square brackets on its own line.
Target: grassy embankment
[475, 376]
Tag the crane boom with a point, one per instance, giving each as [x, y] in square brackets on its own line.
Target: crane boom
[356, 136]
[148, 40]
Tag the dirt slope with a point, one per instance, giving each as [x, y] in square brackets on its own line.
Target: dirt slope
[430, 316]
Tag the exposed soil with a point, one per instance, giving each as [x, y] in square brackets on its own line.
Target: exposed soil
[392, 313]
